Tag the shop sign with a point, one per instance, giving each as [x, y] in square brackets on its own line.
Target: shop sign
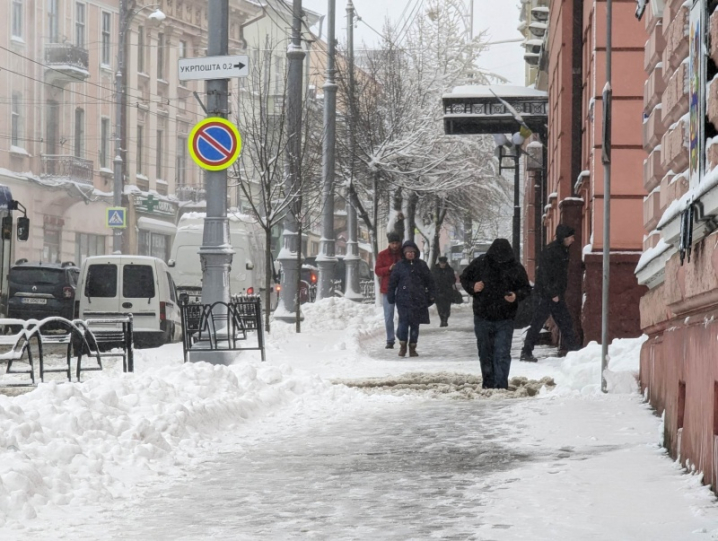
[156, 207]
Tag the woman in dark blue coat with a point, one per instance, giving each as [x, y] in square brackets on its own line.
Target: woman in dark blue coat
[411, 288]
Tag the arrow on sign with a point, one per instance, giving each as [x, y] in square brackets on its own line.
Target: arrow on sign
[239, 65]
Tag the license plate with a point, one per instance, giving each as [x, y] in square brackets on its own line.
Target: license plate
[32, 300]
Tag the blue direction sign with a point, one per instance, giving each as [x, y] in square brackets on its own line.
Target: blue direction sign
[116, 217]
[214, 143]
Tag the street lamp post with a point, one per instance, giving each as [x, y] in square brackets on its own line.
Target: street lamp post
[125, 17]
[327, 260]
[502, 143]
[292, 181]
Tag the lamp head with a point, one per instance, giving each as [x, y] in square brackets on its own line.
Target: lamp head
[157, 16]
[517, 139]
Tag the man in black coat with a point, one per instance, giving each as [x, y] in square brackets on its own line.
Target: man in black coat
[497, 282]
[445, 280]
[549, 293]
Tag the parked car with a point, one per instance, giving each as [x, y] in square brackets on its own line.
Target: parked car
[138, 285]
[39, 290]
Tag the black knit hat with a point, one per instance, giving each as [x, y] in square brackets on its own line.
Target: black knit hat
[563, 231]
[393, 236]
[443, 259]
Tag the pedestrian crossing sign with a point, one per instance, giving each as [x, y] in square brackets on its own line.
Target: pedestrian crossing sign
[116, 217]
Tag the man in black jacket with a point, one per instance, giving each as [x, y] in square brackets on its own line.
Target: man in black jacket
[549, 293]
[497, 282]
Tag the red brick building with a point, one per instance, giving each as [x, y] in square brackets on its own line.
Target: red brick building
[679, 368]
[571, 68]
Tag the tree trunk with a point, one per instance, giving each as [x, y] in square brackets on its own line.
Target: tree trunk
[268, 277]
[439, 215]
[297, 298]
[397, 206]
[373, 233]
[468, 237]
[411, 217]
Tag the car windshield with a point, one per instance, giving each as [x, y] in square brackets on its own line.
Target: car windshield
[35, 276]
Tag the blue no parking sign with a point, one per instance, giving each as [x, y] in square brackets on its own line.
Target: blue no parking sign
[214, 143]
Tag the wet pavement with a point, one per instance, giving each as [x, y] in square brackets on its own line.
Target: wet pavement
[411, 470]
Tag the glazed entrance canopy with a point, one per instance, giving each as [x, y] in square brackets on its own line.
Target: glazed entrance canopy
[480, 109]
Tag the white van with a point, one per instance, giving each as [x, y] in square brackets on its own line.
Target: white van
[134, 284]
[247, 274]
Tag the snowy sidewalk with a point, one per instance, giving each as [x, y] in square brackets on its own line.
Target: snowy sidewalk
[283, 455]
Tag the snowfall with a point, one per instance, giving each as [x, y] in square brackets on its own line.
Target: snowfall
[102, 458]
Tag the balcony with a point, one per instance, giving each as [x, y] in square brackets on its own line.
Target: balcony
[67, 167]
[65, 63]
[187, 192]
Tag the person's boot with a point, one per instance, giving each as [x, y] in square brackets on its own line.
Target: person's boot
[528, 357]
[389, 345]
[402, 348]
[412, 350]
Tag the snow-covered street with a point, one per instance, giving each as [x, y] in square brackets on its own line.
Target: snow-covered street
[283, 450]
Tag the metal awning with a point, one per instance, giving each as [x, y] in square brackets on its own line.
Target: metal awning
[480, 109]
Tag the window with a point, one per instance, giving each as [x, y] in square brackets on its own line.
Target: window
[139, 150]
[160, 154]
[80, 24]
[53, 18]
[17, 18]
[106, 38]
[16, 129]
[52, 127]
[160, 56]
[278, 74]
[171, 282]
[183, 54]
[87, 244]
[181, 161]
[153, 244]
[104, 142]
[101, 281]
[141, 49]
[52, 239]
[138, 282]
[79, 132]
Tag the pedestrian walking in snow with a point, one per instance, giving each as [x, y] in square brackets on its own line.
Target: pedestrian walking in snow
[385, 262]
[549, 294]
[445, 280]
[411, 288]
[497, 283]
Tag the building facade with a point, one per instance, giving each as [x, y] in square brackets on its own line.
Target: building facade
[679, 374]
[566, 54]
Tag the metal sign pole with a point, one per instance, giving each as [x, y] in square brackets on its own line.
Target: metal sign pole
[216, 253]
[606, 158]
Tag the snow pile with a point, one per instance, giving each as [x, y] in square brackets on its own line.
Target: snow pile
[581, 370]
[337, 313]
[85, 443]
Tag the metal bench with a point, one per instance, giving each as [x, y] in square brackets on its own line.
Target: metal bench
[222, 326]
[110, 336]
[79, 337]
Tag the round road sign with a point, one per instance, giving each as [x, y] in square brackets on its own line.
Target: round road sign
[214, 143]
